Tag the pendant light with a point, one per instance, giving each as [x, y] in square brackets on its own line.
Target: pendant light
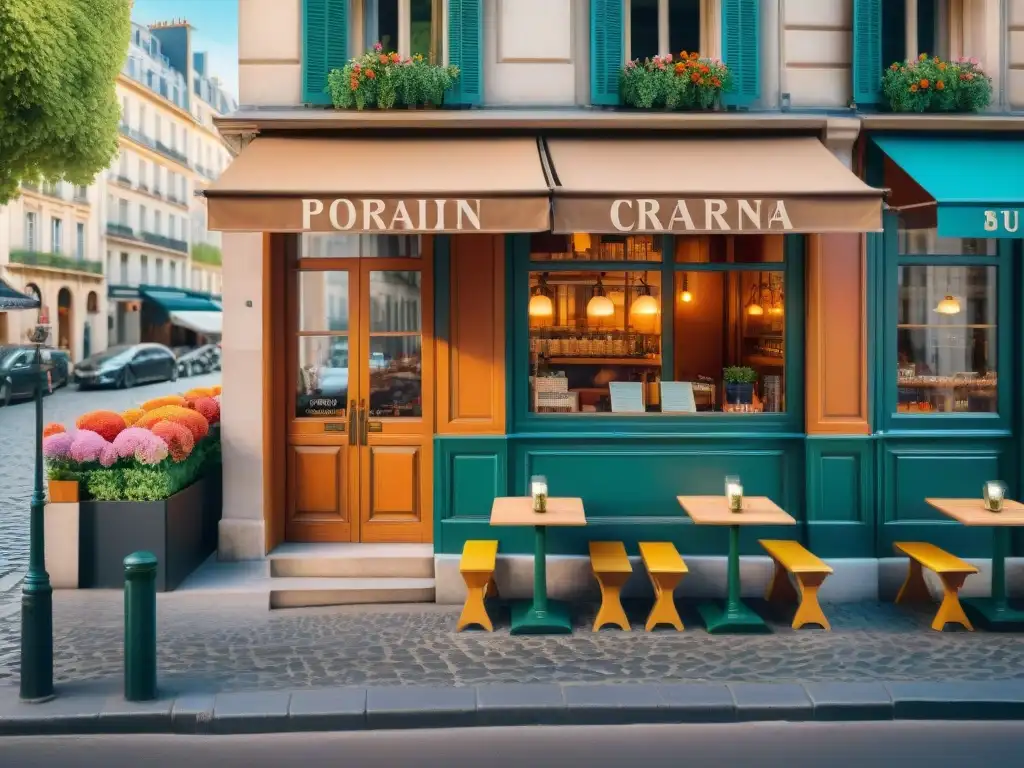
[777, 309]
[754, 308]
[600, 305]
[950, 305]
[541, 304]
[645, 304]
[686, 297]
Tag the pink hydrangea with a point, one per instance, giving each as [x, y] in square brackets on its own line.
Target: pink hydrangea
[87, 446]
[152, 452]
[108, 456]
[57, 447]
[130, 440]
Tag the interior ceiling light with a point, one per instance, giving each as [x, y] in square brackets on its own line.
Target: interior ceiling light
[645, 304]
[600, 305]
[950, 305]
[686, 297]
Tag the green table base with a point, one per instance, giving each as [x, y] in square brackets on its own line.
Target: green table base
[528, 620]
[990, 613]
[736, 618]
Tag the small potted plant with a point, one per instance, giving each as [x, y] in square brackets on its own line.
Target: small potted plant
[739, 384]
[687, 81]
[384, 80]
[931, 84]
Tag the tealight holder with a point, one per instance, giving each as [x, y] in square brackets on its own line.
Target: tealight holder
[734, 493]
[539, 493]
[994, 493]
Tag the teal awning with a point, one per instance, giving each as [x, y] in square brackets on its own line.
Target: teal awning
[977, 183]
[178, 299]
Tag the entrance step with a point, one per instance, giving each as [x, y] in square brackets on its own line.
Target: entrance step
[315, 592]
[353, 561]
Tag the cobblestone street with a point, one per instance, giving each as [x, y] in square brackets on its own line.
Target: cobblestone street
[232, 642]
[17, 454]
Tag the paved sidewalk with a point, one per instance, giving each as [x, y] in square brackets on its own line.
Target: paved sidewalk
[231, 642]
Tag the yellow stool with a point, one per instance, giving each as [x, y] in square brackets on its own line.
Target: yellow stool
[477, 568]
[666, 569]
[611, 567]
[791, 557]
[952, 572]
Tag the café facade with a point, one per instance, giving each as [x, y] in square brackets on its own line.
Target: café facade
[415, 323]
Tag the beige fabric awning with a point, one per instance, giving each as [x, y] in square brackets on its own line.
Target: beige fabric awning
[608, 186]
[383, 185]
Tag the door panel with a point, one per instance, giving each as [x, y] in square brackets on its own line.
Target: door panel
[320, 500]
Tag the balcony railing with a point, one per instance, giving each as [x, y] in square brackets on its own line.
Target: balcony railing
[120, 230]
[52, 190]
[177, 200]
[165, 242]
[143, 187]
[124, 181]
[56, 261]
[30, 186]
[173, 154]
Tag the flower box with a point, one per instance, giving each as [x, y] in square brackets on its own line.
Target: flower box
[934, 85]
[385, 80]
[62, 491]
[683, 82]
[60, 543]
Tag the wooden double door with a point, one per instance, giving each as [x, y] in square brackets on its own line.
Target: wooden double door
[360, 427]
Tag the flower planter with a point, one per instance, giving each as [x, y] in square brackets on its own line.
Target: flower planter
[62, 491]
[180, 531]
[60, 536]
[739, 394]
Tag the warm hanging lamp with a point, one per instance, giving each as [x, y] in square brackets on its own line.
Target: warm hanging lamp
[950, 305]
[600, 305]
[541, 304]
[645, 305]
[777, 309]
[754, 307]
[686, 297]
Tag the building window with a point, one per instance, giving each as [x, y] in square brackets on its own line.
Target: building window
[158, 223]
[56, 236]
[124, 268]
[142, 120]
[142, 218]
[110, 267]
[946, 324]
[659, 27]
[597, 336]
[80, 240]
[173, 268]
[144, 269]
[158, 179]
[913, 27]
[30, 231]
[410, 27]
[158, 130]
[122, 213]
[173, 228]
[143, 174]
[159, 271]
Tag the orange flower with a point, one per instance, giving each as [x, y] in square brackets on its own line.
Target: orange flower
[370, 74]
[913, 89]
[942, 66]
[209, 409]
[160, 402]
[216, 390]
[105, 423]
[197, 392]
[680, 68]
[940, 86]
[383, 58]
[132, 415]
[694, 56]
[923, 57]
[178, 438]
[193, 421]
[716, 82]
[695, 78]
[924, 83]
[704, 68]
[395, 58]
[53, 428]
[684, 55]
[894, 66]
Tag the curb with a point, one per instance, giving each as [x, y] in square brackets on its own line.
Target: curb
[405, 707]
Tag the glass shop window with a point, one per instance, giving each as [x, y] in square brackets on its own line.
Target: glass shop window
[659, 27]
[408, 27]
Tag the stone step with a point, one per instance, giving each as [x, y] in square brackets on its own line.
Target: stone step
[353, 561]
[291, 592]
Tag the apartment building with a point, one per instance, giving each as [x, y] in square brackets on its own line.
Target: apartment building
[452, 300]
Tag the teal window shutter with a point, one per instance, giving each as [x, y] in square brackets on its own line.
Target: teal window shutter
[465, 50]
[741, 50]
[607, 50]
[324, 46]
[867, 51]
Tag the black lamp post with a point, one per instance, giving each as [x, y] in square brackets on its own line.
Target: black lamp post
[36, 592]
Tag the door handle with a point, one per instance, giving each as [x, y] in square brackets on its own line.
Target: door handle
[353, 422]
[362, 410]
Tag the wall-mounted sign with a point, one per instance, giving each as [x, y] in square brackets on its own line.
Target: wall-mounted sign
[970, 220]
[1002, 221]
[334, 426]
[317, 405]
[708, 215]
[380, 215]
[374, 426]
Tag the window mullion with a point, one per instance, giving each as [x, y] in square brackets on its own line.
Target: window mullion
[910, 25]
[663, 36]
[404, 28]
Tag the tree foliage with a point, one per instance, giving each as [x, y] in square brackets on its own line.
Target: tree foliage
[205, 253]
[59, 114]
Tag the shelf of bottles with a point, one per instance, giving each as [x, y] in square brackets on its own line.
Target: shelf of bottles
[570, 345]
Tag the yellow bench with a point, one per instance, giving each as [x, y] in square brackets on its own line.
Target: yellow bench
[477, 568]
[610, 563]
[666, 569]
[952, 572]
[791, 557]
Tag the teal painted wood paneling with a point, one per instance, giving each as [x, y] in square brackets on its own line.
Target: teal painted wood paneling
[867, 51]
[607, 50]
[324, 45]
[914, 469]
[465, 50]
[741, 50]
[469, 473]
[841, 496]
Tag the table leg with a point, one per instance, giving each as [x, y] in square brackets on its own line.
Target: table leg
[995, 612]
[540, 616]
[734, 616]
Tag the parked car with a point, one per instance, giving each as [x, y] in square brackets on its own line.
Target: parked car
[127, 365]
[16, 374]
[194, 362]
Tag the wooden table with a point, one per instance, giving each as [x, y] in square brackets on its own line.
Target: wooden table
[734, 616]
[539, 616]
[990, 612]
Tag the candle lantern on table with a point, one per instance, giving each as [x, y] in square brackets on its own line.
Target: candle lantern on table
[539, 492]
[734, 493]
[994, 492]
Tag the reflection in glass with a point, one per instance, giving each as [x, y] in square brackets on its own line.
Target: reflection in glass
[684, 26]
[323, 301]
[545, 246]
[738, 249]
[421, 28]
[322, 387]
[395, 301]
[946, 339]
[315, 245]
[928, 242]
[396, 376]
[603, 327]
[643, 29]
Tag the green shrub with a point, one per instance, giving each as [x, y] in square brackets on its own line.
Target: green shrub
[934, 85]
[385, 80]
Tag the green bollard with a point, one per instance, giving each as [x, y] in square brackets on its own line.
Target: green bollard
[140, 626]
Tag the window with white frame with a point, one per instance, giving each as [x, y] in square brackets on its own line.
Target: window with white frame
[158, 223]
[408, 27]
[142, 119]
[30, 231]
[173, 226]
[80, 240]
[142, 218]
[143, 174]
[144, 269]
[159, 271]
[950, 29]
[122, 213]
[660, 27]
[173, 268]
[158, 130]
[124, 268]
[56, 235]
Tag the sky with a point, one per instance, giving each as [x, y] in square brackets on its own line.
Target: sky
[215, 31]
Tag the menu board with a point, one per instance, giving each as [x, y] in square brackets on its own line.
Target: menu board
[677, 397]
[627, 396]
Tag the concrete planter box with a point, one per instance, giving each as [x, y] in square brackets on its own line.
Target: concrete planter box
[60, 535]
[180, 531]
